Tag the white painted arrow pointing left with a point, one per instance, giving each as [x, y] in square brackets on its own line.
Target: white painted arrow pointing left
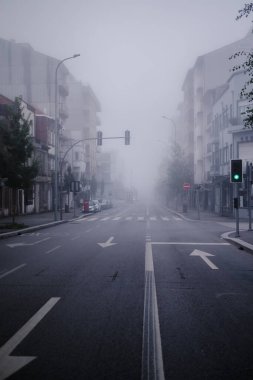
[13, 245]
[11, 364]
[203, 256]
[108, 243]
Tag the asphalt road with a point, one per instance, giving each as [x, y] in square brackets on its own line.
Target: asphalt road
[128, 293]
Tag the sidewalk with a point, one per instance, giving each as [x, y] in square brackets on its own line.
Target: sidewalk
[33, 222]
[244, 241]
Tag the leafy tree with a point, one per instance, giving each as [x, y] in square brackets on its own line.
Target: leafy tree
[174, 172]
[102, 184]
[93, 187]
[68, 178]
[179, 171]
[247, 67]
[16, 155]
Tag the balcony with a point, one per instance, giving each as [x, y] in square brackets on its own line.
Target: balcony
[235, 121]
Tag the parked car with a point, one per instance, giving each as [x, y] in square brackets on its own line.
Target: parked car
[97, 205]
[104, 204]
[88, 206]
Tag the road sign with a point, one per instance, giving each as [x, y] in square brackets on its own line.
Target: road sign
[186, 186]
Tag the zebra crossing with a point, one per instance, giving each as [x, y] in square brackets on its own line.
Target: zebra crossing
[118, 218]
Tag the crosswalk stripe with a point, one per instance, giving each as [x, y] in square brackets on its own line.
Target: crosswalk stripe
[128, 218]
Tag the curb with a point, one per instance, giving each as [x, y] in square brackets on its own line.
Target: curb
[6, 235]
[241, 244]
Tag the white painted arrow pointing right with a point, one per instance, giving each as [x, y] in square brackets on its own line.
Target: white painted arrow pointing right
[203, 256]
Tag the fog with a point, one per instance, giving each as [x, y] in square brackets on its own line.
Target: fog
[135, 55]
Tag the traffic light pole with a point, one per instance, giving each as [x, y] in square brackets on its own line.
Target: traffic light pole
[100, 137]
[236, 187]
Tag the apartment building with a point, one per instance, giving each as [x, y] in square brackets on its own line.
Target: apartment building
[211, 104]
[28, 73]
[81, 126]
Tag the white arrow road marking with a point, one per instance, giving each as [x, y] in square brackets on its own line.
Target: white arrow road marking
[108, 243]
[152, 360]
[13, 245]
[12, 270]
[203, 256]
[11, 364]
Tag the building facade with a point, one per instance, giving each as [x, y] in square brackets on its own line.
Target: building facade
[212, 120]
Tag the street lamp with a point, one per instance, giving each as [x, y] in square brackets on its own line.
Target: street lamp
[57, 135]
[174, 124]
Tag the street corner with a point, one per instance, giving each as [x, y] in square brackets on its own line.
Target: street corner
[243, 241]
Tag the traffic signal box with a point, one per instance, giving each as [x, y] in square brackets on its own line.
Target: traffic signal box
[236, 171]
[127, 137]
[99, 138]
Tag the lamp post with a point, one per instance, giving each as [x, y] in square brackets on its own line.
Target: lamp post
[174, 124]
[57, 135]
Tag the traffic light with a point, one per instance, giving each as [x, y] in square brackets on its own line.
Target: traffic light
[236, 171]
[127, 137]
[99, 137]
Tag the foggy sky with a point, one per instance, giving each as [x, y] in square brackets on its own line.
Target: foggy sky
[134, 54]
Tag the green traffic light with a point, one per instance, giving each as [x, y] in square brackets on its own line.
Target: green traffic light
[236, 176]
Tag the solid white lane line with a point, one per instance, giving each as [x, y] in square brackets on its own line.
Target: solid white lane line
[11, 364]
[53, 249]
[152, 360]
[12, 270]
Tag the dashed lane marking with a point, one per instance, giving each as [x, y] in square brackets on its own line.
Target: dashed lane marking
[12, 270]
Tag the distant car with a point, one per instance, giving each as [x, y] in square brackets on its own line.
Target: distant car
[104, 204]
[88, 206]
[97, 205]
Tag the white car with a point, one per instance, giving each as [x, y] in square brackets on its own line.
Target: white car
[97, 205]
